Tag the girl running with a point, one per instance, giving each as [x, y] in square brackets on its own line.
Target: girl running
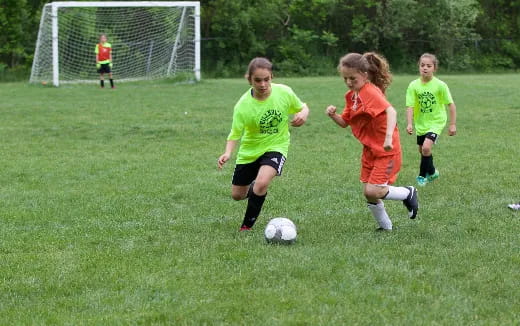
[260, 122]
[426, 98]
[372, 120]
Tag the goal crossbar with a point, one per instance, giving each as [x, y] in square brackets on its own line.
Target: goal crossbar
[125, 4]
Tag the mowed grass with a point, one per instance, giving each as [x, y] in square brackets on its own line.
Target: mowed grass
[112, 212]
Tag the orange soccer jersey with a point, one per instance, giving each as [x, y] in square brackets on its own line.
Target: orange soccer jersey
[365, 114]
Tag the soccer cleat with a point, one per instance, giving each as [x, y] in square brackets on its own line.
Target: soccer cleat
[412, 202]
[433, 176]
[421, 181]
[244, 228]
[382, 230]
[515, 207]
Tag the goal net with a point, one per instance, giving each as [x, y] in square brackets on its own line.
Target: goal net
[150, 40]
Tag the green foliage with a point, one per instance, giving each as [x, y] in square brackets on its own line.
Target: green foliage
[113, 213]
[298, 34]
[308, 36]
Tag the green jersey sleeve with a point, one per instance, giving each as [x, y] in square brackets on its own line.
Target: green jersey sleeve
[410, 96]
[237, 126]
[446, 95]
[296, 104]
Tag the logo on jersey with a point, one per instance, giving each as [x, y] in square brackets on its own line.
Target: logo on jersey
[427, 101]
[270, 121]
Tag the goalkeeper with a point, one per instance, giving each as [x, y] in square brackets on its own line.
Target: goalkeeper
[104, 60]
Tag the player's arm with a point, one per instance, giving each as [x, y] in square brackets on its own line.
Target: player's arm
[230, 147]
[452, 129]
[391, 121]
[300, 118]
[331, 112]
[409, 120]
[97, 56]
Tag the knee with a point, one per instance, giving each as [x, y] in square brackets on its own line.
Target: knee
[426, 151]
[374, 193]
[237, 196]
[370, 194]
[260, 188]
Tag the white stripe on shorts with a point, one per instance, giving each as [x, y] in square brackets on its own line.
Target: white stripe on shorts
[280, 166]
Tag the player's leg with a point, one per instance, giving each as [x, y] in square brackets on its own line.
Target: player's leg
[423, 166]
[384, 173]
[239, 192]
[257, 197]
[429, 141]
[110, 77]
[372, 192]
[102, 79]
[271, 164]
[243, 178]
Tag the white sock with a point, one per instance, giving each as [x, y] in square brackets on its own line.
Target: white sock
[380, 215]
[397, 193]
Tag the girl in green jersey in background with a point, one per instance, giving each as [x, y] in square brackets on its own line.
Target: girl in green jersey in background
[261, 123]
[426, 100]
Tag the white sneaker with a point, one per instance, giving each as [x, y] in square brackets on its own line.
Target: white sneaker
[514, 207]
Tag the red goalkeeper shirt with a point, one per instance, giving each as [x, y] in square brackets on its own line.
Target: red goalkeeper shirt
[103, 52]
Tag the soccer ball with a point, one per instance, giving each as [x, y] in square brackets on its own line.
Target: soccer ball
[280, 230]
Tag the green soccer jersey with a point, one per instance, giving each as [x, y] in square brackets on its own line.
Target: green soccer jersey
[429, 102]
[263, 126]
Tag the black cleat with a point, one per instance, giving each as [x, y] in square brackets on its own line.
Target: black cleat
[411, 202]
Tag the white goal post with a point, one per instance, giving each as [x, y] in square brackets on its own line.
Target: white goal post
[150, 40]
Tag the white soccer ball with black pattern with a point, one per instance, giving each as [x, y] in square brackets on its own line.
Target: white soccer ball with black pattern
[280, 230]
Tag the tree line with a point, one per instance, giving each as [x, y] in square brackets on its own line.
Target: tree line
[308, 36]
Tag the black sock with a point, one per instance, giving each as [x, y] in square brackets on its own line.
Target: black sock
[250, 190]
[426, 166]
[254, 206]
[102, 82]
[423, 170]
[431, 168]
[111, 83]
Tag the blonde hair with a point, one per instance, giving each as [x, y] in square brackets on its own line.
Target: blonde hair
[371, 63]
[432, 57]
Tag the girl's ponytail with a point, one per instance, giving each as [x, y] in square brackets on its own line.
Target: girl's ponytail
[378, 70]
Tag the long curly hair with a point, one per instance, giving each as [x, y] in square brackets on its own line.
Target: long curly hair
[374, 64]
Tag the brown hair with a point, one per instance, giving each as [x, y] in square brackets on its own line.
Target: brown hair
[258, 63]
[375, 65]
[432, 57]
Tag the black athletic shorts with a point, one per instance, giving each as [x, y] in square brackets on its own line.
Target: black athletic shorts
[104, 68]
[430, 135]
[246, 173]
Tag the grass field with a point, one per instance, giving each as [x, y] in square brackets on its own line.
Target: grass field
[112, 212]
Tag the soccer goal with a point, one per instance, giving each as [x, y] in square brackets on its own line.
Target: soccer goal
[150, 40]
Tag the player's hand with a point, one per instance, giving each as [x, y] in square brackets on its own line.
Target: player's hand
[110, 65]
[299, 119]
[409, 129]
[98, 65]
[452, 130]
[388, 144]
[330, 110]
[222, 160]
